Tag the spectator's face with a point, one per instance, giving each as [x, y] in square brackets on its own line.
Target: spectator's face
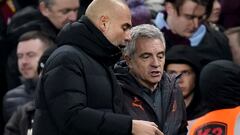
[188, 78]
[214, 17]
[28, 54]
[117, 28]
[147, 63]
[61, 12]
[187, 21]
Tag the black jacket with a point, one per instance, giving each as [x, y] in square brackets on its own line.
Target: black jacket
[214, 46]
[21, 121]
[168, 112]
[18, 97]
[78, 93]
[182, 54]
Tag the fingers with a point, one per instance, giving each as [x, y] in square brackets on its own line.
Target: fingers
[158, 132]
[141, 127]
[153, 124]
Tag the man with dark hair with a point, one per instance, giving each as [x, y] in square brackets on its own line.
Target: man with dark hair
[78, 92]
[182, 23]
[181, 19]
[21, 122]
[29, 50]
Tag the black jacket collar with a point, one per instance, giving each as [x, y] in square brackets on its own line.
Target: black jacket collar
[84, 35]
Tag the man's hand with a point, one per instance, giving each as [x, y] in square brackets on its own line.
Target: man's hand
[140, 127]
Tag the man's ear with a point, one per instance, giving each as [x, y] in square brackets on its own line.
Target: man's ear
[170, 9]
[43, 9]
[103, 23]
[128, 61]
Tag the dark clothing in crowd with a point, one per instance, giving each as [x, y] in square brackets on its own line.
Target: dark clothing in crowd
[230, 13]
[21, 121]
[78, 93]
[187, 55]
[220, 85]
[214, 46]
[3, 59]
[18, 97]
[220, 88]
[9, 7]
[26, 20]
[83, 6]
[164, 106]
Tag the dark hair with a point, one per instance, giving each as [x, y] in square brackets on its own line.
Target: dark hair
[37, 35]
[206, 3]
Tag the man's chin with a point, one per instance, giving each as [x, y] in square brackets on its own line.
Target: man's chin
[188, 35]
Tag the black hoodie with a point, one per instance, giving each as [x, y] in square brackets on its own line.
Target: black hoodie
[183, 54]
[83, 38]
[220, 85]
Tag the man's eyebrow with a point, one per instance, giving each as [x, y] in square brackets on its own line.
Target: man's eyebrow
[145, 53]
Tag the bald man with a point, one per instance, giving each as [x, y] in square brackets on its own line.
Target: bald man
[78, 93]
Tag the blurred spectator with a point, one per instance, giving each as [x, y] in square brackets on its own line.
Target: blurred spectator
[149, 93]
[140, 13]
[29, 50]
[214, 17]
[183, 60]
[21, 122]
[179, 22]
[220, 89]
[50, 18]
[59, 12]
[182, 24]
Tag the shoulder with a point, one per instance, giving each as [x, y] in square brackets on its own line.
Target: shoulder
[18, 91]
[169, 79]
[65, 55]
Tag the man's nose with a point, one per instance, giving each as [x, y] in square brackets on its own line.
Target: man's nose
[156, 62]
[72, 16]
[23, 60]
[128, 35]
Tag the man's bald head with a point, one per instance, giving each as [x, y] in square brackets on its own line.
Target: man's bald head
[109, 8]
[112, 18]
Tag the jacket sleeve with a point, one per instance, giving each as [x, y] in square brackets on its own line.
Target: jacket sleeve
[66, 98]
[12, 126]
[183, 128]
